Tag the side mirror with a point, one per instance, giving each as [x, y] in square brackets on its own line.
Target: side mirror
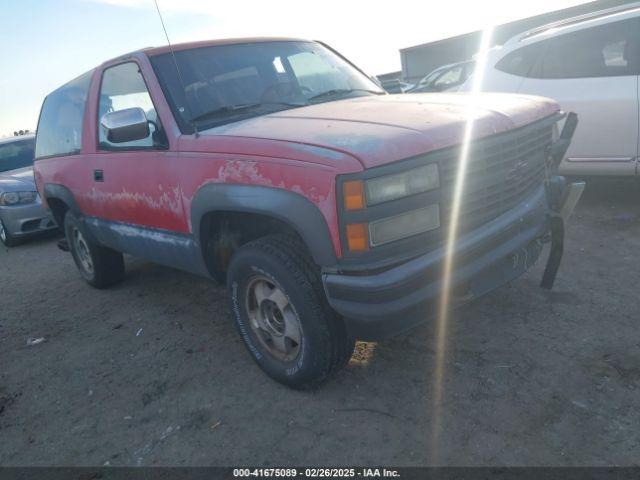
[125, 125]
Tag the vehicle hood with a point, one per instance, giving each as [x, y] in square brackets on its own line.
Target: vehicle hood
[382, 129]
[20, 179]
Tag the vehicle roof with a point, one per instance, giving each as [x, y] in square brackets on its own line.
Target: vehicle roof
[17, 138]
[212, 43]
[572, 24]
[152, 51]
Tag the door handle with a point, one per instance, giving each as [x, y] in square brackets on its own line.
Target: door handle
[98, 175]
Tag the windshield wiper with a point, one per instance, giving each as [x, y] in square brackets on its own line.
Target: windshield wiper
[237, 109]
[342, 91]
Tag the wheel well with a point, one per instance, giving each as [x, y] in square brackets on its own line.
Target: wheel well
[221, 233]
[58, 209]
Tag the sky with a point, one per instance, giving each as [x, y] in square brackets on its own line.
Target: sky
[45, 43]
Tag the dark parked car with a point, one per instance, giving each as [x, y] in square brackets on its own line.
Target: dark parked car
[21, 213]
[395, 86]
[444, 78]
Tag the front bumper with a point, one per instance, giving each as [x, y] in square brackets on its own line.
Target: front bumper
[383, 304]
[24, 220]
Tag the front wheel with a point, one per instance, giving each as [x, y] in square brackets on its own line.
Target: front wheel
[282, 315]
[6, 238]
[100, 266]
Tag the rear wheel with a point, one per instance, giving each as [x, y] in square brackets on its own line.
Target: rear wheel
[6, 238]
[282, 315]
[100, 266]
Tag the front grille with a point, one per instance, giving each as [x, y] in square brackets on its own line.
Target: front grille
[502, 171]
[31, 225]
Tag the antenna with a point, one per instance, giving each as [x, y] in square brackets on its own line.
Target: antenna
[175, 62]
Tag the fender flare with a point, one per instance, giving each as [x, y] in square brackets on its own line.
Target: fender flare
[291, 208]
[60, 192]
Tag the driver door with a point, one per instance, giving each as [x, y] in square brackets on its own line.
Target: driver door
[135, 197]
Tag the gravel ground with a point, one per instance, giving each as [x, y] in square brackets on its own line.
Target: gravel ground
[152, 371]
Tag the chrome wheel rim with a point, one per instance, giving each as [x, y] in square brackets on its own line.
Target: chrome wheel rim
[82, 251]
[273, 319]
[3, 232]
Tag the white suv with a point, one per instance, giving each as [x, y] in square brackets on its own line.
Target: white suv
[591, 66]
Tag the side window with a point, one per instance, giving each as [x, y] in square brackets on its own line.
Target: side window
[606, 51]
[60, 125]
[123, 87]
[520, 62]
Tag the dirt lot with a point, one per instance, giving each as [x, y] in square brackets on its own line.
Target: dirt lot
[152, 372]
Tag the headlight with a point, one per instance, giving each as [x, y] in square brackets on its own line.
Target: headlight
[390, 187]
[360, 194]
[411, 182]
[404, 225]
[16, 198]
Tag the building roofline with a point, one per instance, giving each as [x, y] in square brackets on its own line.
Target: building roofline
[441, 40]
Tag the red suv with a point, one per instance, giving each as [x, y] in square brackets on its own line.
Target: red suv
[280, 168]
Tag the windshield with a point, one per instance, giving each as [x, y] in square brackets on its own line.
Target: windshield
[227, 83]
[18, 154]
[430, 77]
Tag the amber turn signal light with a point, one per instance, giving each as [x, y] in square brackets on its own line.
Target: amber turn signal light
[353, 195]
[357, 237]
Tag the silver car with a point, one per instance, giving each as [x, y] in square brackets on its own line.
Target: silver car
[21, 213]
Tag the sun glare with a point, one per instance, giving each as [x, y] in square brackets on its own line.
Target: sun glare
[445, 306]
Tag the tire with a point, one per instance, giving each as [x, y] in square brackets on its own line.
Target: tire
[282, 315]
[100, 266]
[6, 238]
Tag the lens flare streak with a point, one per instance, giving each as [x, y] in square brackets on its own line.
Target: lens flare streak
[444, 311]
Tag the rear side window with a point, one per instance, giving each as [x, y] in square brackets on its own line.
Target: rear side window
[60, 125]
[605, 51]
[16, 154]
